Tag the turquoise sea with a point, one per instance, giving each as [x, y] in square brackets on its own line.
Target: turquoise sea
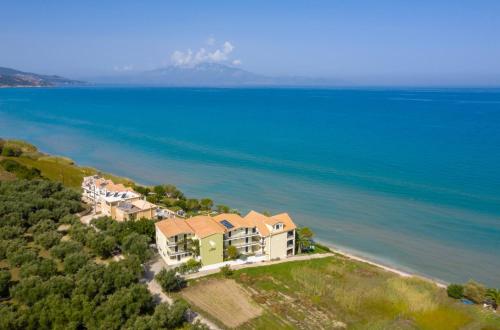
[406, 177]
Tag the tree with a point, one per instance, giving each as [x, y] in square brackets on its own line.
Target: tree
[74, 262]
[10, 232]
[29, 290]
[192, 204]
[455, 291]
[137, 244]
[232, 252]
[48, 239]
[206, 204]
[65, 248]
[194, 247]
[169, 317]
[45, 268]
[475, 291]
[103, 245]
[159, 191]
[303, 238]
[169, 280]
[222, 208]
[4, 283]
[494, 296]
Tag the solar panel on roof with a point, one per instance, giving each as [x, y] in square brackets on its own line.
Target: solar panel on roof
[227, 224]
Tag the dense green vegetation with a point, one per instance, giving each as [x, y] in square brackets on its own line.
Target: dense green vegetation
[53, 279]
[475, 292]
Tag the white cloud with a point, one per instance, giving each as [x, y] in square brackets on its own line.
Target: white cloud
[188, 58]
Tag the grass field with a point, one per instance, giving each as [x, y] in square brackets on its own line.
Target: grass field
[336, 292]
[225, 300]
[62, 169]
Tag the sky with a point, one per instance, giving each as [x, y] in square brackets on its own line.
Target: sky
[363, 42]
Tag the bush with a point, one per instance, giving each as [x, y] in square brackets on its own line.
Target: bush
[190, 266]
[169, 280]
[226, 271]
[455, 291]
[475, 291]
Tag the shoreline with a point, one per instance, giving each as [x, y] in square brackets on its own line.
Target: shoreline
[357, 256]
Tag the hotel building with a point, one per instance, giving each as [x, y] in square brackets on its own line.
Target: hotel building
[255, 234]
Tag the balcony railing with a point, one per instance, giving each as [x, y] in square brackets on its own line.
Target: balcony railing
[238, 236]
[173, 253]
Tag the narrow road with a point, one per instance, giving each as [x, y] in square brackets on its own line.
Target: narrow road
[260, 264]
[151, 269]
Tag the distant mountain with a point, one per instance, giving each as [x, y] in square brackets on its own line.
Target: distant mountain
[14, 78]
[208, 74]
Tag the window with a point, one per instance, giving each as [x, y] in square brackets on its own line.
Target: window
[229, 234]
[246, 249]
[246, 231]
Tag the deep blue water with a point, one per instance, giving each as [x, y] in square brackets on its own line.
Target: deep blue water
[407, 177]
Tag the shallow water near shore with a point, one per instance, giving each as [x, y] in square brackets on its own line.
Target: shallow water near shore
[407, 177]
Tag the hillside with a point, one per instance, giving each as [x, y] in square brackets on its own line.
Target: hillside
[15, 78]
[209, 75]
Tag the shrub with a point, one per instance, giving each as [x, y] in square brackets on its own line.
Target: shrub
[475, 291]
[169, 280]
[455, 291]
[190, 266]
[226, 271]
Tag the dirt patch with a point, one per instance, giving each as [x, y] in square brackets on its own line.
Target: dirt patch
[224, 299]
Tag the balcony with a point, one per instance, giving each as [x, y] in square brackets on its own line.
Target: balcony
[182, 253]
[239, 236]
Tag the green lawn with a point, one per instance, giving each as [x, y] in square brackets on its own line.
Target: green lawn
[336, 292]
